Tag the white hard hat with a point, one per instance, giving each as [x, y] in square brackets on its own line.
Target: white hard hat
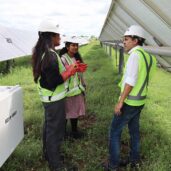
[72, 40]
[49, 26]
[135, 30]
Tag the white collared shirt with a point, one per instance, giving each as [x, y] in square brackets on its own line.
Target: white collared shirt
[131, 69]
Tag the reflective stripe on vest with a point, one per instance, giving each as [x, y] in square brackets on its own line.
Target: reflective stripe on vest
[60, 91]
[75, 85]
[145, 83]
[53, 98]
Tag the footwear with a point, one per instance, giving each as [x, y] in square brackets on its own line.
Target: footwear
[135, 164]
[77, 135]
[124, 162]
[61, 158]
[107, 167]
[65, 168]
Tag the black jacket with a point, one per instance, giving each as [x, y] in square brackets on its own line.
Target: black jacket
[50, 76]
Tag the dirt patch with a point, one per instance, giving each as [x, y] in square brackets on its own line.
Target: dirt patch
[87, 121]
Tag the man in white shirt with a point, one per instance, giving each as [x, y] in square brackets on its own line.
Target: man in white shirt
[134, 83]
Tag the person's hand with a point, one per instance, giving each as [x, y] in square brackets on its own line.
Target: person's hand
[71, 69]
[80, 67]
[118, 107]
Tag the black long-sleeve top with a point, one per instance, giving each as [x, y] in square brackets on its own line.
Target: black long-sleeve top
[50, 76]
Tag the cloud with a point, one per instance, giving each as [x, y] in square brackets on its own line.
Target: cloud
[76, 17]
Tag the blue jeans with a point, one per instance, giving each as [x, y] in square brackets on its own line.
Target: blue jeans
[130, 115]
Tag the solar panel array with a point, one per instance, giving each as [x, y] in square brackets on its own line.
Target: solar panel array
[153, 15]
[17, 43]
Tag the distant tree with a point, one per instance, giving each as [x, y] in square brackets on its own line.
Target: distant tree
[93, 37]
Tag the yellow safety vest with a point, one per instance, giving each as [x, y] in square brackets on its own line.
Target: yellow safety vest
[75, 85]
[60, 91]
[146, 66]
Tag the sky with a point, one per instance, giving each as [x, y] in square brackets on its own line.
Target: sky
[75, 17]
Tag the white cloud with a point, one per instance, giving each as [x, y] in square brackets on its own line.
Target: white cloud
[76, 17]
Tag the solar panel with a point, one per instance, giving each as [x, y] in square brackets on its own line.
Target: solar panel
[153, 16]
[17, 43]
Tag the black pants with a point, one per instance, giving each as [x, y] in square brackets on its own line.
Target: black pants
[53, 131]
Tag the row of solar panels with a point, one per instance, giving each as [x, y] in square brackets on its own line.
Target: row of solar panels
[153, 15]
[16, 43]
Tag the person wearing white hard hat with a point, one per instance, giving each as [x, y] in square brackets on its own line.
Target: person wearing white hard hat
[75, 101]
[51, 77]
[134, 85]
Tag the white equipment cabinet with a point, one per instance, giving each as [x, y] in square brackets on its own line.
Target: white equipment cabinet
[11, 120]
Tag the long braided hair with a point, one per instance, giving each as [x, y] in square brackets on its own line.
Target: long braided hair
[41, 48]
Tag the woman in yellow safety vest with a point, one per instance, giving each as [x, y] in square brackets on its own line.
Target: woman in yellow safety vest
[75, 101]
[51, 76]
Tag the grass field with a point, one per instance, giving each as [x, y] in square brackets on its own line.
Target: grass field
[102, 93]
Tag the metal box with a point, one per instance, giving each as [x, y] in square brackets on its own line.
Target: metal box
[11, 120]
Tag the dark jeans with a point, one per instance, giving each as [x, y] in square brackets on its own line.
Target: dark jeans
[53, 131]
[130, 115]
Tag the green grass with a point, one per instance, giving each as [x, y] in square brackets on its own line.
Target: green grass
[102, 94]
